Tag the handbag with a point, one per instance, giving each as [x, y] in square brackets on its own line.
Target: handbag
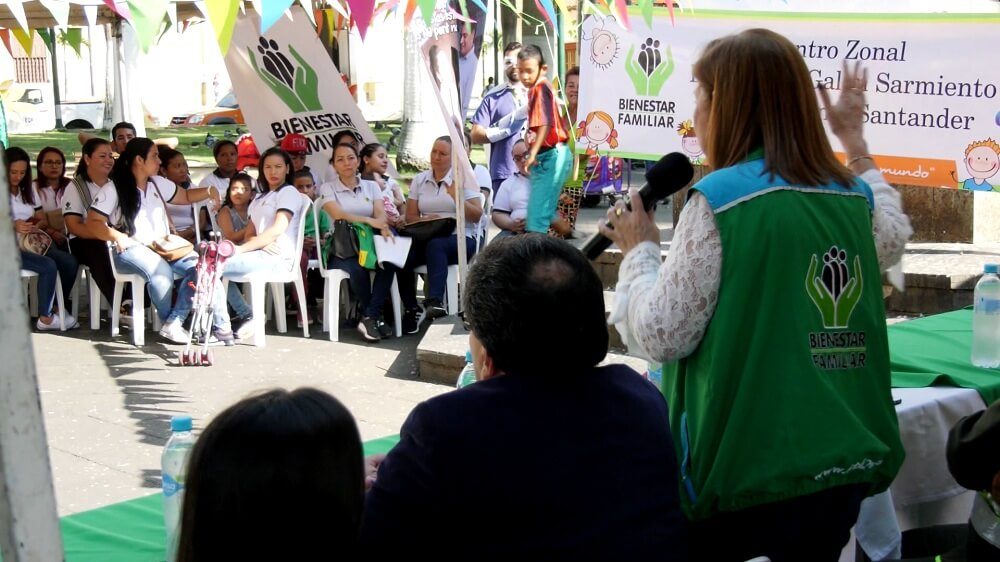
[36, 242]
[345, 242]
[366, 245]
[170, 247]
[426, 229]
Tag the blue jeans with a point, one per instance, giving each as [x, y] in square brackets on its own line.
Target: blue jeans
[371, 295]
[46, 267]
[159, 276]
[438, 254]
[547, 179]
[242, 264]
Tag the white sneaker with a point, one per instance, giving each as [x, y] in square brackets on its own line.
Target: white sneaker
[70, 321]
[51, 326]
[174, 331]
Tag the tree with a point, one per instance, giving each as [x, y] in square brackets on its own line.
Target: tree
[422, 120]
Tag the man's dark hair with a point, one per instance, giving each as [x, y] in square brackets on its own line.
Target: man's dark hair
[512, 46]
[121, 125]
[529, 52]
[537, 306]
[306, 173]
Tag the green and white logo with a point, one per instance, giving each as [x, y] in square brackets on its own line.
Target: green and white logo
[835, 291]
[297, 86]
[649, 69]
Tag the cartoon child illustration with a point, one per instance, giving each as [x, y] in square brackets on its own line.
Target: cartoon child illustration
[690, 144]
[982, 160]
[597, 129]
[603, 46]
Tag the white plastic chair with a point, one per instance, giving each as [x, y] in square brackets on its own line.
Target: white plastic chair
[29, 278]
[260, 280]
[451, 288]
[94, 310]
[138, 302]
[206, 204]
[331, 290]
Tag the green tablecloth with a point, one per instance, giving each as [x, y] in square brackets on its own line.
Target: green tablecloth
[936, 351]
[132, 531]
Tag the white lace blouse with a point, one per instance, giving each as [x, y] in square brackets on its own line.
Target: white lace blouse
[663, 309]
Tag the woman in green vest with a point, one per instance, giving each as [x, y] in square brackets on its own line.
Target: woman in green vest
[767, 316]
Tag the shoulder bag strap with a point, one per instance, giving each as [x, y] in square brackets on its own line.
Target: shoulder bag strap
[166, 212]
[83, 191]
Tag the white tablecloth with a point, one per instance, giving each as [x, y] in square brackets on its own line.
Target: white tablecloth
[923, 493]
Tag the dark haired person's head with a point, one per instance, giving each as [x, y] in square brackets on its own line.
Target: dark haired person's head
[277, 476]
[51, 167]
[754, 91]
[510, 61]
[18, 166]
[275, 168]
[345, 161]
[345, 136]
[139, 161]
[226, 155]
[121, 134]
[374, 159]
[96, 162]
[240, 190]
[572, 87]
[516, 287]
[173, 166]
[531, 65]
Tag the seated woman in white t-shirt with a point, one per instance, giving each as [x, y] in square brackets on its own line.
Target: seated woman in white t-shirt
[432, 194]
[51, 186]
[173, 166]
[510, 206]
[271, 235]
[26, 211]
[92, 173]
[352, 199]
[374, 165]
[131, 212]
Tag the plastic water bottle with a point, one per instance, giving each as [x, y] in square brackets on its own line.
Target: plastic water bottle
[986, 319]
[174, 468]
[468, 374]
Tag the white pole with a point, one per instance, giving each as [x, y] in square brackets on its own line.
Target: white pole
[29, 525]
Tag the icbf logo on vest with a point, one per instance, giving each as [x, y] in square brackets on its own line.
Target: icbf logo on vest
[835, 291]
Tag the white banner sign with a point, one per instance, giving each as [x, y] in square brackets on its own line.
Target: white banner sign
[287, 83]
[932, 116]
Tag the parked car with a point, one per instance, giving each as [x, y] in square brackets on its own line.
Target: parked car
[226, 112]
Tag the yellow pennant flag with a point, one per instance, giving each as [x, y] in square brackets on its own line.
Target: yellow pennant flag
[222, 15]
[25, 38]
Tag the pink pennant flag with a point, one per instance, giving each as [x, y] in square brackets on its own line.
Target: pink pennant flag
[121, 10]
[361, 13]
[622, 9]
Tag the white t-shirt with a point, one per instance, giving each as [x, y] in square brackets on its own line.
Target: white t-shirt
[483, 177]
[432, 198]
[72, 203]
[151, 220]
[181, 215]
[512, 196]
[49, 199]
[357, 201]
[22, 211]
[266, 206]
[212, 180]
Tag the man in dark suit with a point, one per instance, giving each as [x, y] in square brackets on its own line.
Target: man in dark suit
[547, 456]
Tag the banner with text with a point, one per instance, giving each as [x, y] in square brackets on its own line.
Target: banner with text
[933, 106]
[287, 83]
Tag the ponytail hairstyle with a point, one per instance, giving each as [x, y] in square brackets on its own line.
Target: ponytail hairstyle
[88, 150]
[125, 183]
[16, 154]
[367, 152]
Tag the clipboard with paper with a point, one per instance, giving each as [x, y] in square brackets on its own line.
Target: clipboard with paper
[394, 250]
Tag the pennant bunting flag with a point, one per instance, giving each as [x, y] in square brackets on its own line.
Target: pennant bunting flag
[622, 10]
[172, 13]
[74, 38]
[26, 39]
[272, 12]
[411, 7]
[307, 5]
[361, 13]
[18, 11]
[203, 9]
[5, 38]
[147, 19]
[386, 7]
[545, 6]
[339, 7]
[46, 36]
[646, 7]
[427, 10]
[91, 12]
[120, 9]
[258, 6]
[59, 10]
[222, 15]
[561, 4]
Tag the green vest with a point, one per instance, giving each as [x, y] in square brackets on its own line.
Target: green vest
[788, 392]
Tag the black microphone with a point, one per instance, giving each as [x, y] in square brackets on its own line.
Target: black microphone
[668, 176]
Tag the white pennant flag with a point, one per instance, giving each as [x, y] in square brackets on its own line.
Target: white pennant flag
[172, 13]
[18, 10]
[309, 7]
[59, 10]
[200, 4]
[91, 13]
